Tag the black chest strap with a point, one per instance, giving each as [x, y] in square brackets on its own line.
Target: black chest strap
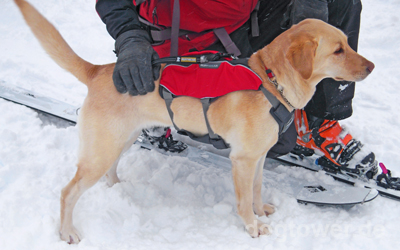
[280, 113]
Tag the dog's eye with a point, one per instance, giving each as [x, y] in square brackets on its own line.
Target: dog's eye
[339, 51]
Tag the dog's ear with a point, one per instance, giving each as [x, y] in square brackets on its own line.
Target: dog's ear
[301, 55]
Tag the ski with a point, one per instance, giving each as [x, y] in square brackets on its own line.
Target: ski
[309, 163]
[66, 112]
[305, 192]
[39, 103]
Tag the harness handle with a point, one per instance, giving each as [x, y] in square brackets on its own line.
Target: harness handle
[195, 59]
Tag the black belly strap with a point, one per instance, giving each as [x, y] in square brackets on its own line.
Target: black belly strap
[281, 115]
[211, 137]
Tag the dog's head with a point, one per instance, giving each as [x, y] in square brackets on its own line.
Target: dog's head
[304, 55]
[319, 50]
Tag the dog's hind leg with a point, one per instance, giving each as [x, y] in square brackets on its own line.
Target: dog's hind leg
[260, 208]
[88, 173]
[243, 170]
[100, 150]
[111, 175]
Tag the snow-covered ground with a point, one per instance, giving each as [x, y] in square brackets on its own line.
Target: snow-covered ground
[169, 202]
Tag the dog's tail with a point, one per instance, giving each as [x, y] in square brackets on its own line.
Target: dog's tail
[54, 44]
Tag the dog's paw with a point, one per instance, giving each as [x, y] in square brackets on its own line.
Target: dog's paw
[111, 181]
[258, 228]
[70, 236]
[264, 209]
[112, 178]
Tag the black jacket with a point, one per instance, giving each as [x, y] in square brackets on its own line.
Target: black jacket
[118, 15]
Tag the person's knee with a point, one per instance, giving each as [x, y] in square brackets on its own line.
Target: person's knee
[339, 9]
[302, 9]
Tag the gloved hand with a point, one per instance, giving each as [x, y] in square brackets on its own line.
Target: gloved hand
[133, 71]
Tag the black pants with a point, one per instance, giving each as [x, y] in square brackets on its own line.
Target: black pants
[332, 99]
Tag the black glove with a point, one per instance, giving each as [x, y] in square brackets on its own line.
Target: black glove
[133, 71]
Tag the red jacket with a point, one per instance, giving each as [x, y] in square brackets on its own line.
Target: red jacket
[197, 16]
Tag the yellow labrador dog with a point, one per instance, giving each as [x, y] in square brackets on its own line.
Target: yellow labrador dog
[109, 122]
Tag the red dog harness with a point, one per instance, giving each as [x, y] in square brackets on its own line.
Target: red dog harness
[220, 76]
[207, 76]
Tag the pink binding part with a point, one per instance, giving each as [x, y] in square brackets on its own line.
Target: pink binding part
[168, 133]
[384, 170]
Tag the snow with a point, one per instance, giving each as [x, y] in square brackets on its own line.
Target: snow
[170, 202]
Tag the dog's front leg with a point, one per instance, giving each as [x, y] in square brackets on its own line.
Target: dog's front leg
[243, 170]
[111, 175]
[260, 208]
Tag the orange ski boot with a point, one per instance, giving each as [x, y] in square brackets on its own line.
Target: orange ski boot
[338, 149]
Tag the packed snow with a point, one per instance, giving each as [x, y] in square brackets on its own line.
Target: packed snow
[170, 202]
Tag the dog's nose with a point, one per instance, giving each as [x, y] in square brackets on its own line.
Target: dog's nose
[370, 66]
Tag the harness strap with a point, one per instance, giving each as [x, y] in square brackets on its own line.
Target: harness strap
[206, 104]
[282, 116]
[211, 137]
[168, 98]
[199, 59]
[280, 113]
[255, 29]
[226, 40]
[176, 16]
[271, 98]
